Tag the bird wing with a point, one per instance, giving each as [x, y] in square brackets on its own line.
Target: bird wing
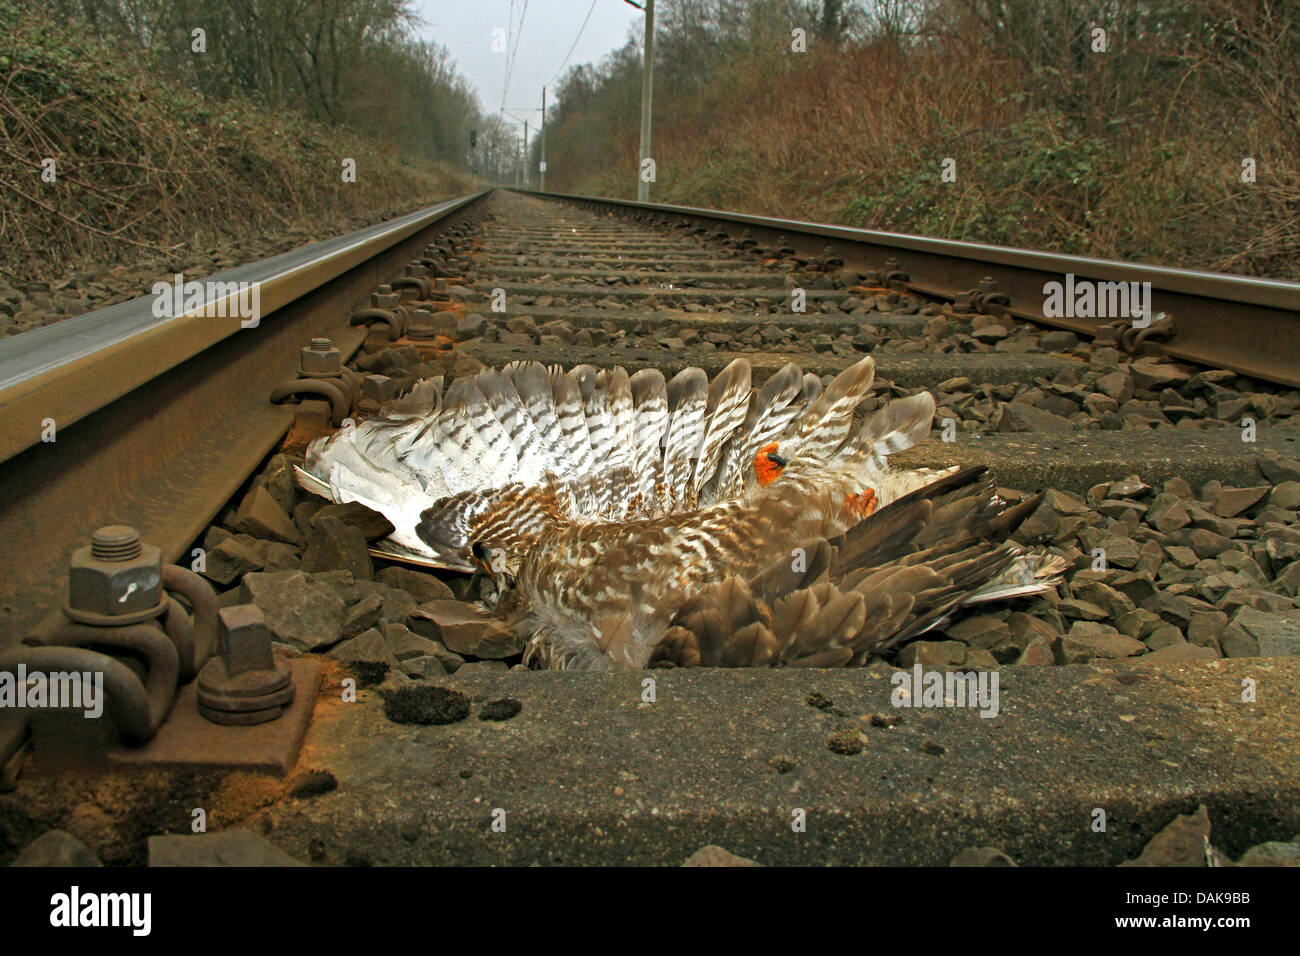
[840, 600]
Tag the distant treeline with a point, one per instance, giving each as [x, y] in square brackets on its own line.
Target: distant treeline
[121, 144]
[1158, 130]
[353, 63]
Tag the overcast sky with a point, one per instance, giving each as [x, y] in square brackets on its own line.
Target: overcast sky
[549, 29]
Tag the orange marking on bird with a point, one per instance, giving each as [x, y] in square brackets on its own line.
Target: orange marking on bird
[768, 464]
[862, 504]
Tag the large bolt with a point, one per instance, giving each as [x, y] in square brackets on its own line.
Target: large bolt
[422, 326]
[244, 684]
[320, 358]
[244, 640]
[115, 576]
[1106, 335]
[378, 388]
[385, 298]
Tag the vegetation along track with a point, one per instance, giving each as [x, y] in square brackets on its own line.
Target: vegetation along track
[1173, 487]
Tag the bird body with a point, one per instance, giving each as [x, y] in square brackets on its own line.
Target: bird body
[628, 521]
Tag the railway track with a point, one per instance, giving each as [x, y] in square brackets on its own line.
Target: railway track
[1176, 464]
[676, 306]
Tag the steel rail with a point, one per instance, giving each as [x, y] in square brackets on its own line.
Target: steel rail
[159, 421]
[1246, 324]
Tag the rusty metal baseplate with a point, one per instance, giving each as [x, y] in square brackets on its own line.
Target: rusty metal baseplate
[61, 741]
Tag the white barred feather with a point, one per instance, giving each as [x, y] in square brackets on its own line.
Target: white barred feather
[575, 445]
[728, 402]
[687, 398]
[650, 424]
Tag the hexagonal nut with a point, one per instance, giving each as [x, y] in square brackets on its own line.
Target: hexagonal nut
[115, 587]
[244, 640]
[382, 300]
[416, 270]
[321, 360]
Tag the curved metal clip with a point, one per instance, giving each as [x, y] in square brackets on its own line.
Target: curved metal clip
[1131, 338]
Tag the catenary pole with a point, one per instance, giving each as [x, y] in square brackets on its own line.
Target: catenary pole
[647, 94]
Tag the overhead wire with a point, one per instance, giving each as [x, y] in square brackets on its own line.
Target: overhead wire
[590, 10]
[513, 55]
[510, 26]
